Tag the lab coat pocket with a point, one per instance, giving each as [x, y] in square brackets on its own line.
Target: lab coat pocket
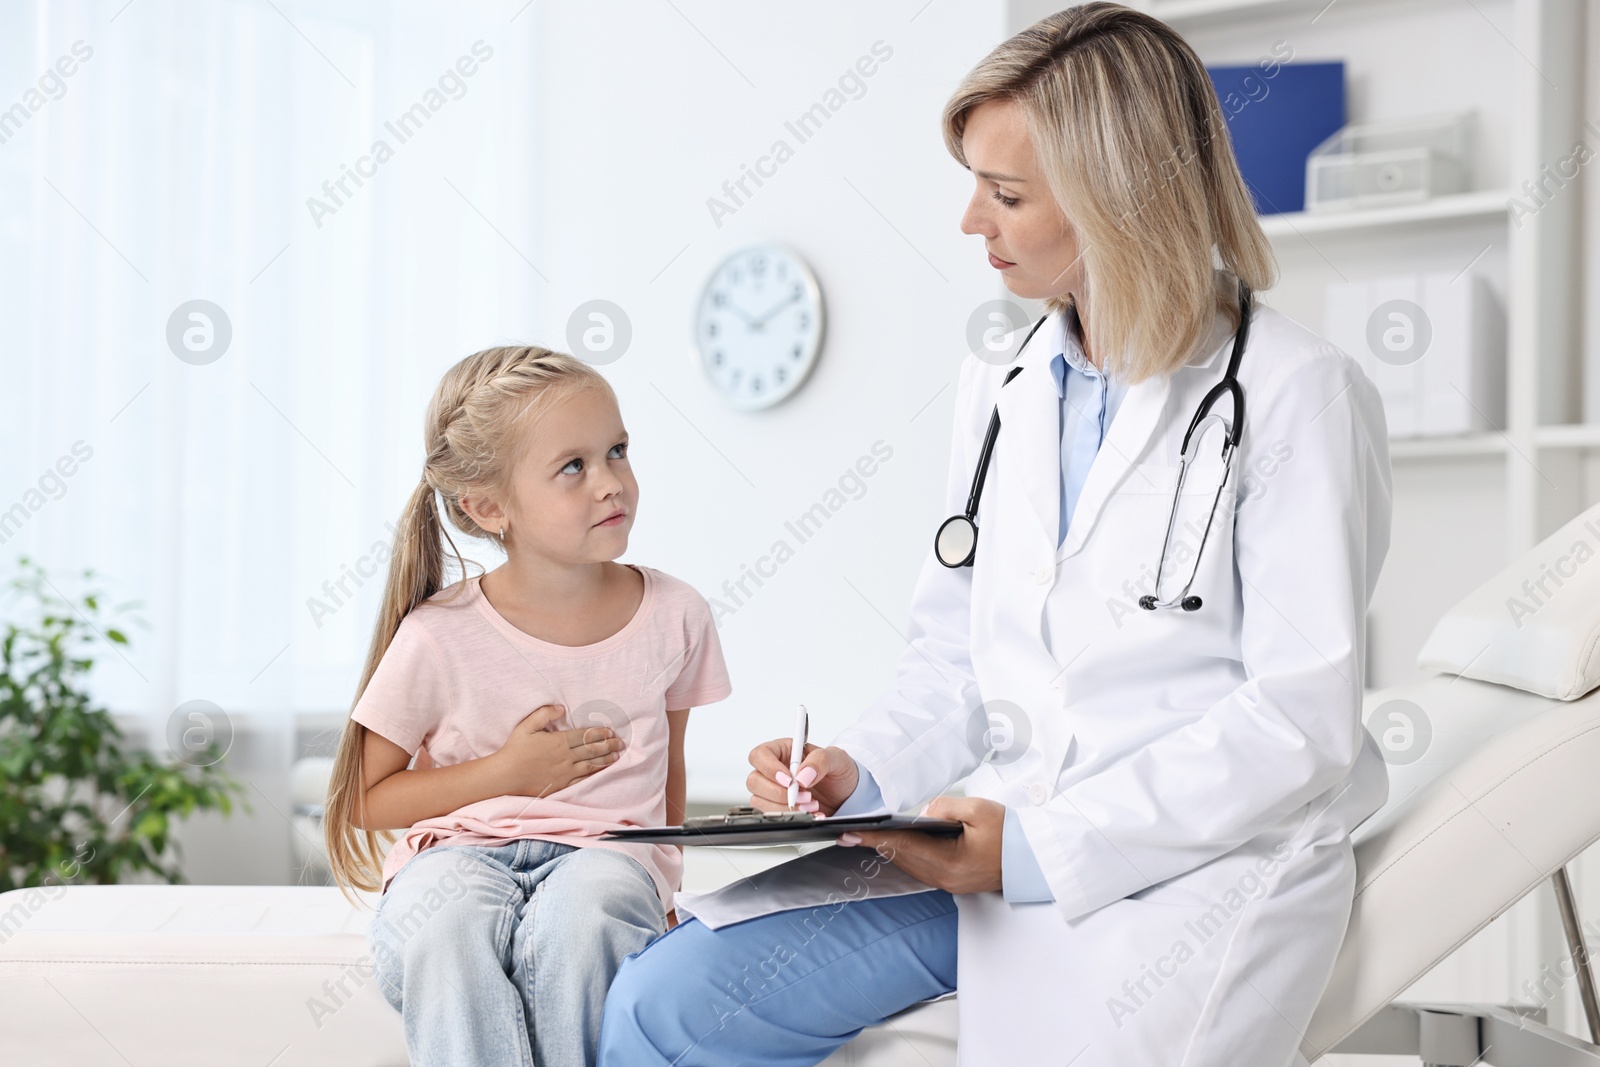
[1176, 892]
[1151, 487]
[1201, 524]
[1197, 504]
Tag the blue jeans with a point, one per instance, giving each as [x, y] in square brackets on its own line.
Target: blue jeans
[782, 989]
[502, 954]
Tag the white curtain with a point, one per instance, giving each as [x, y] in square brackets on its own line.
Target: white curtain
[239, 499]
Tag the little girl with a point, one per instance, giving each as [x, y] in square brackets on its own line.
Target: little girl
[503, 916]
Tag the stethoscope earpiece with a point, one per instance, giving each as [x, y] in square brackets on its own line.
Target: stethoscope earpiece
[1190, 603]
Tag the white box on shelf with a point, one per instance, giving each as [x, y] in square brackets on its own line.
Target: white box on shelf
[1383, 164]
[1433, 344]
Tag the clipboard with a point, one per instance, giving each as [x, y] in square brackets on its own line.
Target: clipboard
[749, 826]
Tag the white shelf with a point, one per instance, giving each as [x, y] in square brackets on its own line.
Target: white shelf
[1486, 205]
[1577, 435]
[1464, 445]
[1187, 13]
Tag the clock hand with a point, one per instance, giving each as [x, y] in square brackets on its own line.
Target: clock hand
[737, 310]
[774, 310]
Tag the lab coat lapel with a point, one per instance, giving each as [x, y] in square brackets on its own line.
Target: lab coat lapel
[1030, 431]
[1130, 431]
[1030, 435]
[1124, 442]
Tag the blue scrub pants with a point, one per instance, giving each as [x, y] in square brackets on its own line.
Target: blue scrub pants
[781, 989]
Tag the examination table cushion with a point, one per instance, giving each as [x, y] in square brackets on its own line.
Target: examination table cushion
[1536, 624]
[1503, 795]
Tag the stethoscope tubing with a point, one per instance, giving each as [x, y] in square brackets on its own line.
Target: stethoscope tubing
[966, 523]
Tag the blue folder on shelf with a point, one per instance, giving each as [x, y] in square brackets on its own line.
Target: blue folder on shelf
[1275, 121]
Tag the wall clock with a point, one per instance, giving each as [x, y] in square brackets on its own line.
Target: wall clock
[758, 327]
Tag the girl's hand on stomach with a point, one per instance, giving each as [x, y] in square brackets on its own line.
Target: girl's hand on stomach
[831, 771]
[536, 761]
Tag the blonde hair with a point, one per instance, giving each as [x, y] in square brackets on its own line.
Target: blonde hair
[1132, 143]
[474, 433]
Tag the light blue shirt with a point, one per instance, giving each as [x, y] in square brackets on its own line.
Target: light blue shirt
[1089, 401]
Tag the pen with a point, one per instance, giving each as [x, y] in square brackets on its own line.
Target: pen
[797, 751]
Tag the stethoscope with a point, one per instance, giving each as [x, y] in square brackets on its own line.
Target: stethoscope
[956, 543]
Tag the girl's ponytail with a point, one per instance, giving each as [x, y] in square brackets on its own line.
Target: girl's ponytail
[416, 569]
[473, 430]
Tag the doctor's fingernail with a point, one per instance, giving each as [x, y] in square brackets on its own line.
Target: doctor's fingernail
[783, 777]
[807, 775]
[849, 839]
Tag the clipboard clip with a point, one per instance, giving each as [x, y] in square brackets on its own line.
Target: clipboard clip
[746, 815]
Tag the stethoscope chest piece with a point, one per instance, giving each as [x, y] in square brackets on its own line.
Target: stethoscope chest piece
[956, 543]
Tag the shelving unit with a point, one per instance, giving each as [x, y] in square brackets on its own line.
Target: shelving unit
[1541, 122]
[1464, 446]
[1184, 13]
[1440, 209]
[1577, 436]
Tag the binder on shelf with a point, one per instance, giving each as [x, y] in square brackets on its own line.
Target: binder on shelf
[1277, 113]
[1433, 344]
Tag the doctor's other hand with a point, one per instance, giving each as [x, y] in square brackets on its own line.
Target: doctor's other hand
[827, 777]
[538, 759]
[966, 864]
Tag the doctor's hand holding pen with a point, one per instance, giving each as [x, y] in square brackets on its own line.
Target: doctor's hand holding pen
[969, 863]
[827, 777]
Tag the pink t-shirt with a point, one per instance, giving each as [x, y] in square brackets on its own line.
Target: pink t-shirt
[458, 677]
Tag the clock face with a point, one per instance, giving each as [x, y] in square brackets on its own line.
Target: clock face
[759, 326]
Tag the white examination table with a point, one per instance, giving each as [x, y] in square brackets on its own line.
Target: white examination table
[1504, 796]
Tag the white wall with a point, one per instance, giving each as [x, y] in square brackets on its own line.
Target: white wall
[645, 112]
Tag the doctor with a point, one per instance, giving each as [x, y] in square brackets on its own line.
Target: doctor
[1156, 865]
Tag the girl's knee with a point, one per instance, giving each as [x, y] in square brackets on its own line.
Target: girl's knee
[610, 885]
[604, 895]
[430, 905]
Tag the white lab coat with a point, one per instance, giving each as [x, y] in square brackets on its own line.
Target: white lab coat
[1187, 780]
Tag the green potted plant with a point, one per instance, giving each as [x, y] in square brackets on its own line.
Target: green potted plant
[75, 804]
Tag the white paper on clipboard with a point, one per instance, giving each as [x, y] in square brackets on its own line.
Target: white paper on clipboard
[826, 876]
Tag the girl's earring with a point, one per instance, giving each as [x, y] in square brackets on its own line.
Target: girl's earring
[502, 535]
